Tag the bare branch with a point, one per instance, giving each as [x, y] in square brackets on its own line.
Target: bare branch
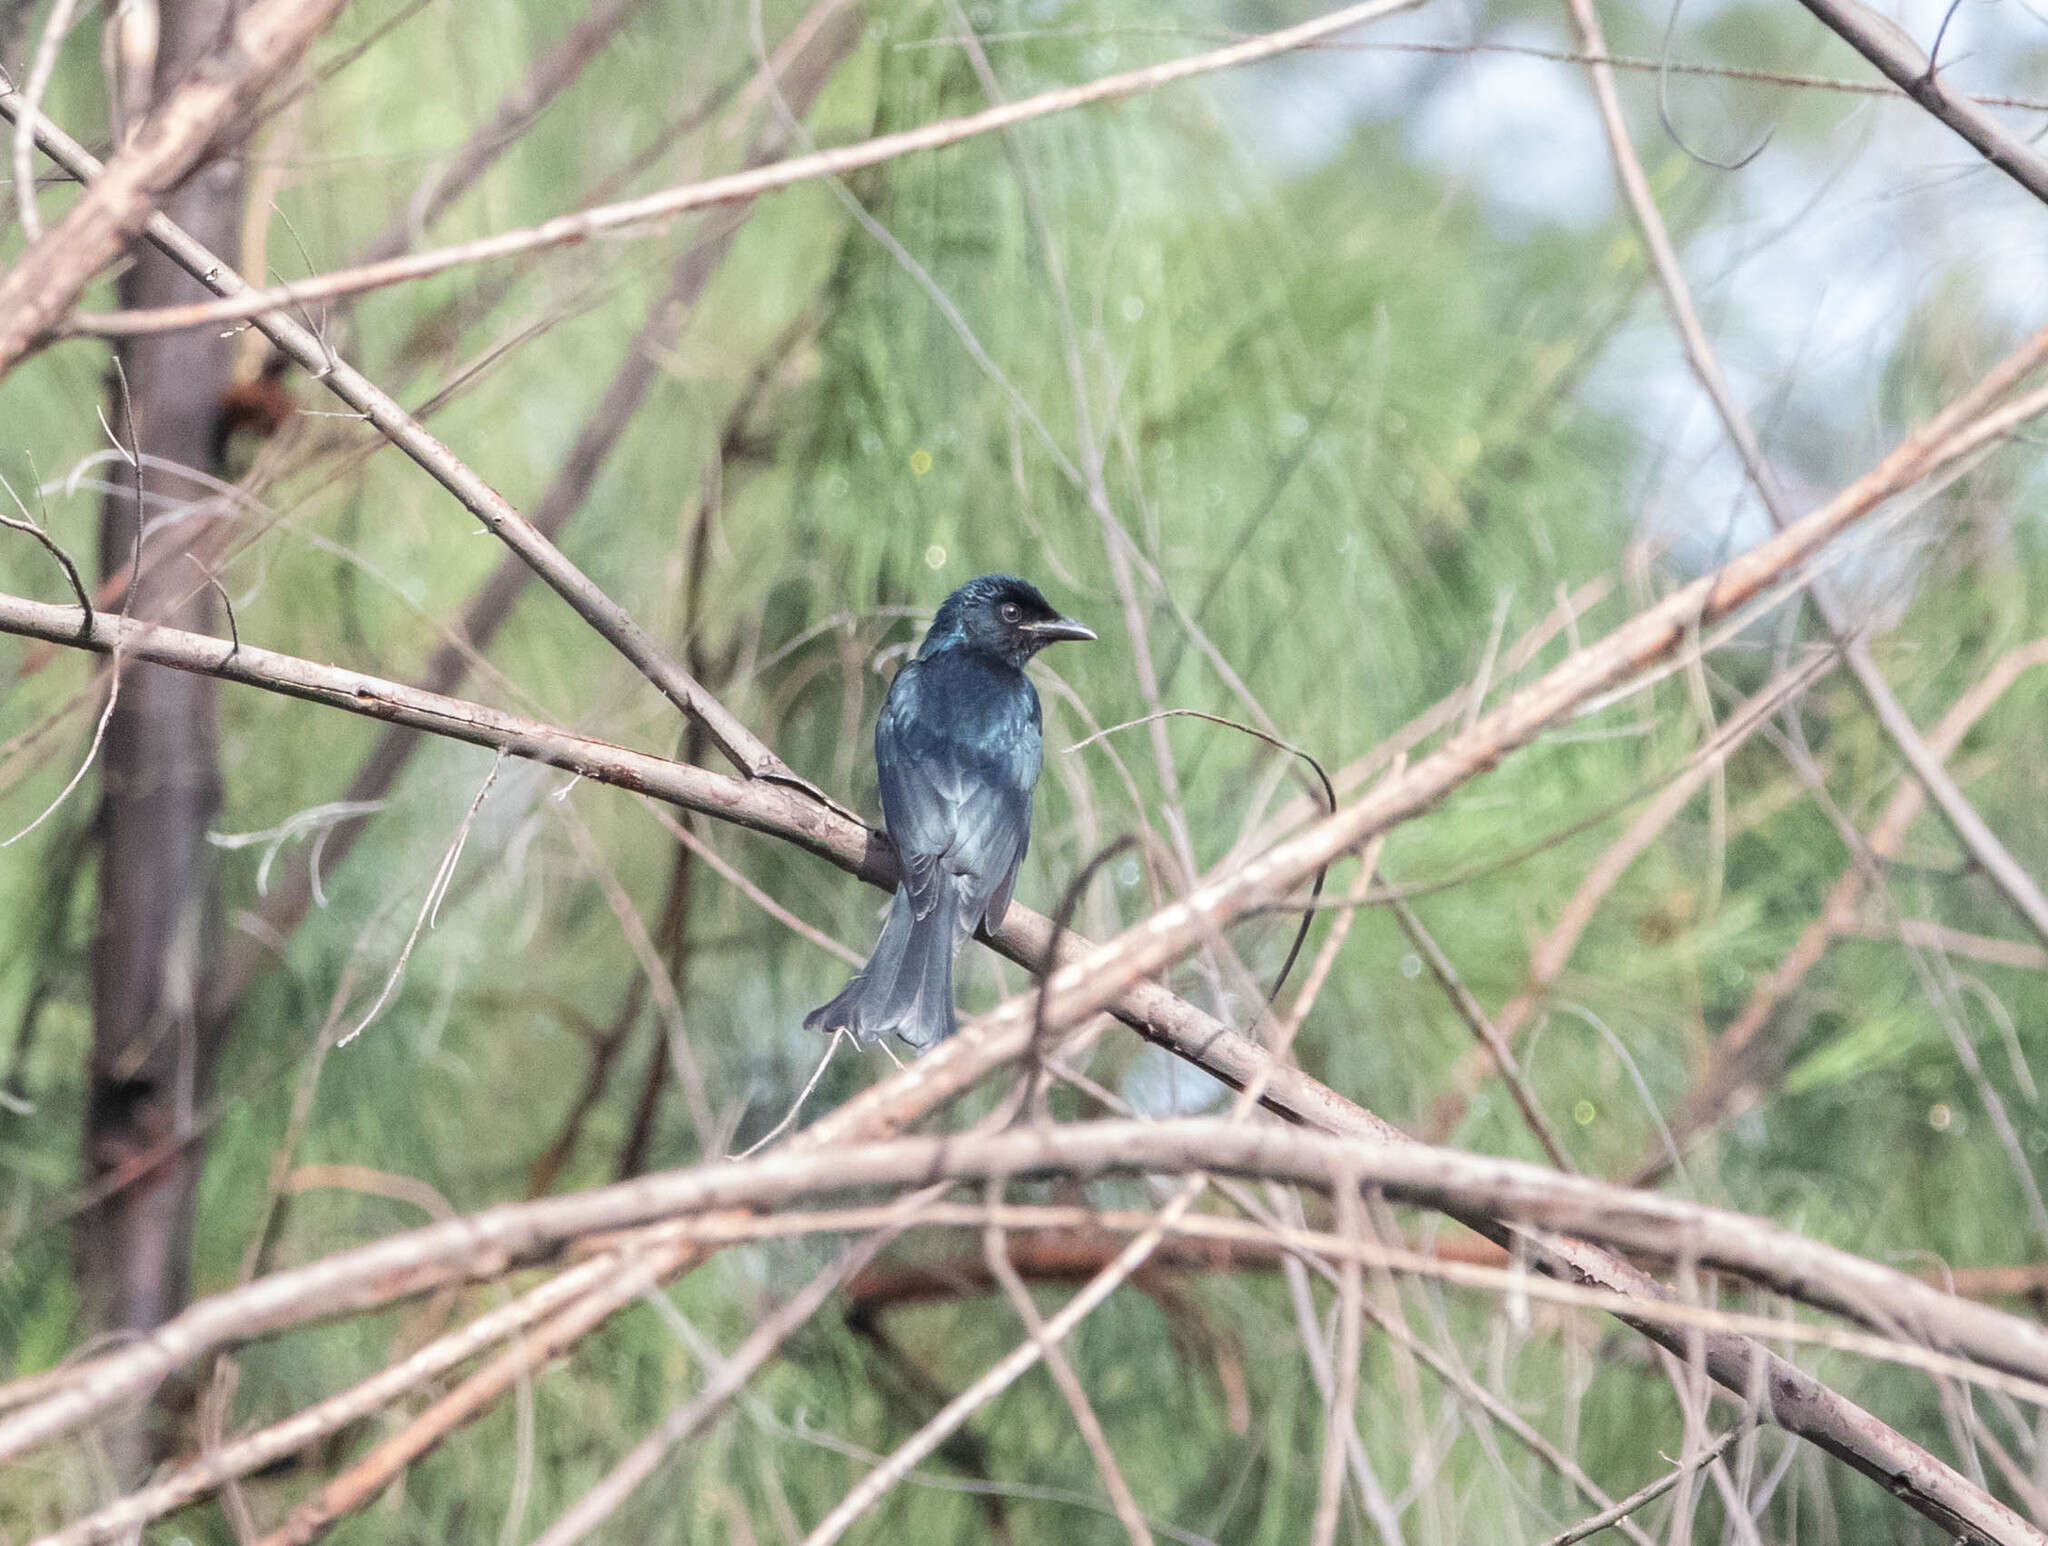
[1649, 1494]
[489, 1243]
[552, 74]
[251, 1452]
[996, 1252]
[46, 280]
[761, 1344]
[645, 212]
[1885, 44]
[1491, 1040]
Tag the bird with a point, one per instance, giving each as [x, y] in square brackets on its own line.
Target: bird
[957, 750]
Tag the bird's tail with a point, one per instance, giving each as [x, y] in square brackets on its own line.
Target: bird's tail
[907, 986]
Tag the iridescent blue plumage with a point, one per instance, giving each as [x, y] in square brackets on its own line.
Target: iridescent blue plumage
[957, 748]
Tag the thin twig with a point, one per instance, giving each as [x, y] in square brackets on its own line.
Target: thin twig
[789, 1117]
[996, 1251]
[1649, 1494]
[1340, 1419]
[27, 524]
[1489, 1035]
[55, 28]
[430, 906]
[761, 1344]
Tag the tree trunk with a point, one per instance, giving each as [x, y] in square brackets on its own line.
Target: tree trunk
[160, 781]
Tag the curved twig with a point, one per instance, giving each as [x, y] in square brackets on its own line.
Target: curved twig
[1329, 797]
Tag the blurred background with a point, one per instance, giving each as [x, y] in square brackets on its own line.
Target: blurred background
[1320, 388]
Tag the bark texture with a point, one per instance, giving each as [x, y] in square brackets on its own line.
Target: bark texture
[160, 778]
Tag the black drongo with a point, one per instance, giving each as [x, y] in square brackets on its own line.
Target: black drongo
[957, 747]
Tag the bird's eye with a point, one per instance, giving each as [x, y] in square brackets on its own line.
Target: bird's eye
[1011, 611]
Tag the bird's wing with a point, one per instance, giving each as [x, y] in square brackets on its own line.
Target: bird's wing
[915, 808]
[1005, 830]
[957, 762]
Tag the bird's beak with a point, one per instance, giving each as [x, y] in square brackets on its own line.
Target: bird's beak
[1062, 628]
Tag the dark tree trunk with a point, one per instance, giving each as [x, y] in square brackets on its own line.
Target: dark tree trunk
[160, 781]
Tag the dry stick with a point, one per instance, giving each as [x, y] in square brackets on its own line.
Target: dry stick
[1885, 44]
[1340, 1422]
[1553, 953]
[871, 1488]
[1640, 63]
[996, 1251]
[551, 75]
[726, 1227]
[667, 1001]
[634, 1270]
[45, 281]
[1930, 935]
[611, 621]
[1655, 1490]
[2005, 871]
[645, 1457]
[55, 27]
[1799, 1403]
[266, 1446]
[1223, 1238]
[1716, 1089]
[1465, 1184]
[1492, 1041]
[761, 1344]
[650, 209]
[733, 876]
[637, 1273]
[1455, 1376]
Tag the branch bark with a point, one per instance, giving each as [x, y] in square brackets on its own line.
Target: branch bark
[500, 1239]
[151, 1064]
[1885, 44]
[46, 280]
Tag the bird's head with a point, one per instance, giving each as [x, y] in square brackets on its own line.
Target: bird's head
[1002, 615]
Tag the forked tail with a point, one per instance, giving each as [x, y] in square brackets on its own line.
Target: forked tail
[906, 989]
